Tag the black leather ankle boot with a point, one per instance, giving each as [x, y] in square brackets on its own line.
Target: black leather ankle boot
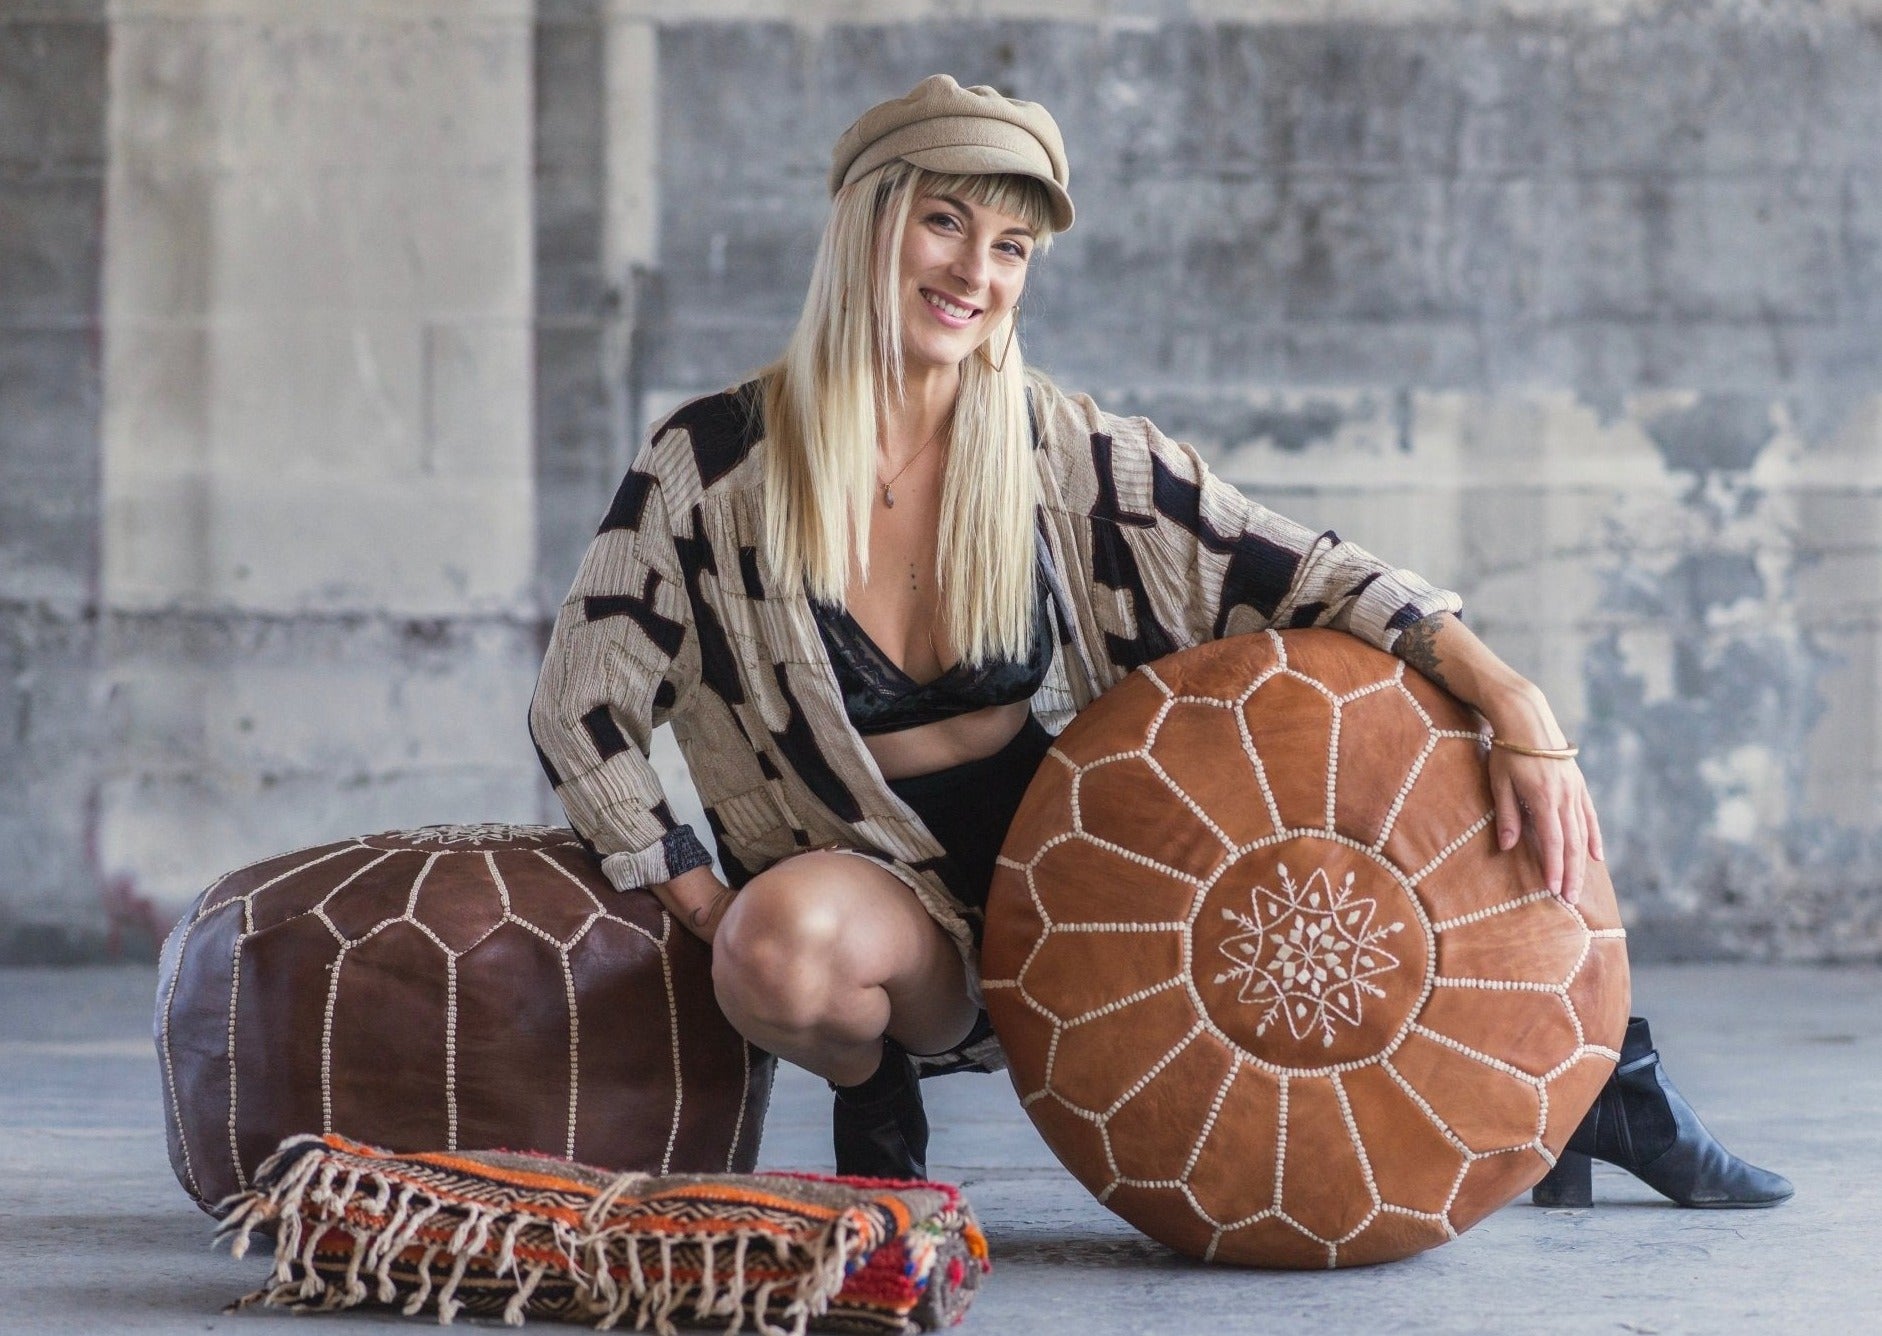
[1643, 1124]
[880, 1128]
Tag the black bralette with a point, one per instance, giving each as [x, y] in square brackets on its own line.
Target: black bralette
[879, 697]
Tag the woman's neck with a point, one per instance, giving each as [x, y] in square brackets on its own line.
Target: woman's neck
[928, 395]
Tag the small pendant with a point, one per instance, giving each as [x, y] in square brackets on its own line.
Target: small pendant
[888, 497]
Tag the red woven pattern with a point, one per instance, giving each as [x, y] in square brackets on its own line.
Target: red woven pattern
[501, 1234]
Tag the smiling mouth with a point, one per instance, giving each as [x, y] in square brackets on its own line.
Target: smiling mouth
[949, 308]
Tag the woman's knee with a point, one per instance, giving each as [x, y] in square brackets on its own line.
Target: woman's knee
[778, 954]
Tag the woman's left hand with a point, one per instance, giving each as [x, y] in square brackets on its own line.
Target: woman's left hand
[1547, 797]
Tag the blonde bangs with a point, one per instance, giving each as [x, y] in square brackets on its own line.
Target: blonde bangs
[1020, 197]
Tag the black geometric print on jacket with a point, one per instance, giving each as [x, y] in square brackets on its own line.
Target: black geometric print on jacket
[1259, 572]
[606, 734]
[665, 632]
[630, 499]
[1114, 564]
[797, 741]
[717, 664]
[722, 429]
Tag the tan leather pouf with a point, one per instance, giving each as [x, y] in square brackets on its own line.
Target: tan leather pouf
[453, 987]
[1264, 981]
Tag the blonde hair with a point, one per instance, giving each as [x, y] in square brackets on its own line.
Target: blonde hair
[841, 371]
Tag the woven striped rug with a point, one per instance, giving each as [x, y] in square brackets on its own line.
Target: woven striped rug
[492, 1233]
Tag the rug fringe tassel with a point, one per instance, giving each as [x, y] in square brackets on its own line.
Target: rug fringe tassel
[416, 1303]
[448, 1304]
[513, 1310]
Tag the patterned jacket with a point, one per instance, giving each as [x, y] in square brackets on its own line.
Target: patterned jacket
[675, 617]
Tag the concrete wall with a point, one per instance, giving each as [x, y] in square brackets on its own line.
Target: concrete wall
[1576, 308]
[52, 185]
[319, 539]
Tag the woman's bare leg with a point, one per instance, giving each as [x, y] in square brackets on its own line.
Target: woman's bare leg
[821, 955]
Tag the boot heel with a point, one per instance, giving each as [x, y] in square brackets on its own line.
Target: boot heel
[1570, 1183]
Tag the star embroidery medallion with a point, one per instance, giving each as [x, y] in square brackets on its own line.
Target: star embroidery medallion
[1307, 954]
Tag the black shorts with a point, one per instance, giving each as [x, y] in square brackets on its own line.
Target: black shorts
[969, 806]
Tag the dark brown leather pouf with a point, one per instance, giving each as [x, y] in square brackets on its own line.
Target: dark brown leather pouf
[1265, 983]
[455, 987]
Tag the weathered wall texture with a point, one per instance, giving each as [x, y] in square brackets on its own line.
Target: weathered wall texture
[1576, 308]
[319, 529]
[52, 182]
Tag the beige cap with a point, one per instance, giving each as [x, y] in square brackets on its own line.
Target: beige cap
[944, 127]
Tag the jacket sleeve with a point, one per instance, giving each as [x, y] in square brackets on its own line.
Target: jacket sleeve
[621, 659]
[1199, 560]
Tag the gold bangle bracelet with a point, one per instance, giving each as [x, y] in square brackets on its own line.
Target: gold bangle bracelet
[1568, 753]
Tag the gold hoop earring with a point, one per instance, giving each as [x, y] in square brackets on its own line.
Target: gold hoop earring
[1012, 328]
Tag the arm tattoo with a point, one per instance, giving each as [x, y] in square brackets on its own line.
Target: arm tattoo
[1417, 644]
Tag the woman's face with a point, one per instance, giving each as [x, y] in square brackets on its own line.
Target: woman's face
[963, 267]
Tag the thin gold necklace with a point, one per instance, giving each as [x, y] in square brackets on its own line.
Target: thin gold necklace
[888, 488]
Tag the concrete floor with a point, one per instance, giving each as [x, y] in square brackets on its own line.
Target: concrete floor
[95, 1235]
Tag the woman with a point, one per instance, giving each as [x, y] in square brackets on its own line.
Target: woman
[869, 586]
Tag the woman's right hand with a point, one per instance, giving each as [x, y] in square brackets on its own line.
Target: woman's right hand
[697, 898]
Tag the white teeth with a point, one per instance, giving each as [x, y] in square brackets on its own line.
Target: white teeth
[942, 303]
